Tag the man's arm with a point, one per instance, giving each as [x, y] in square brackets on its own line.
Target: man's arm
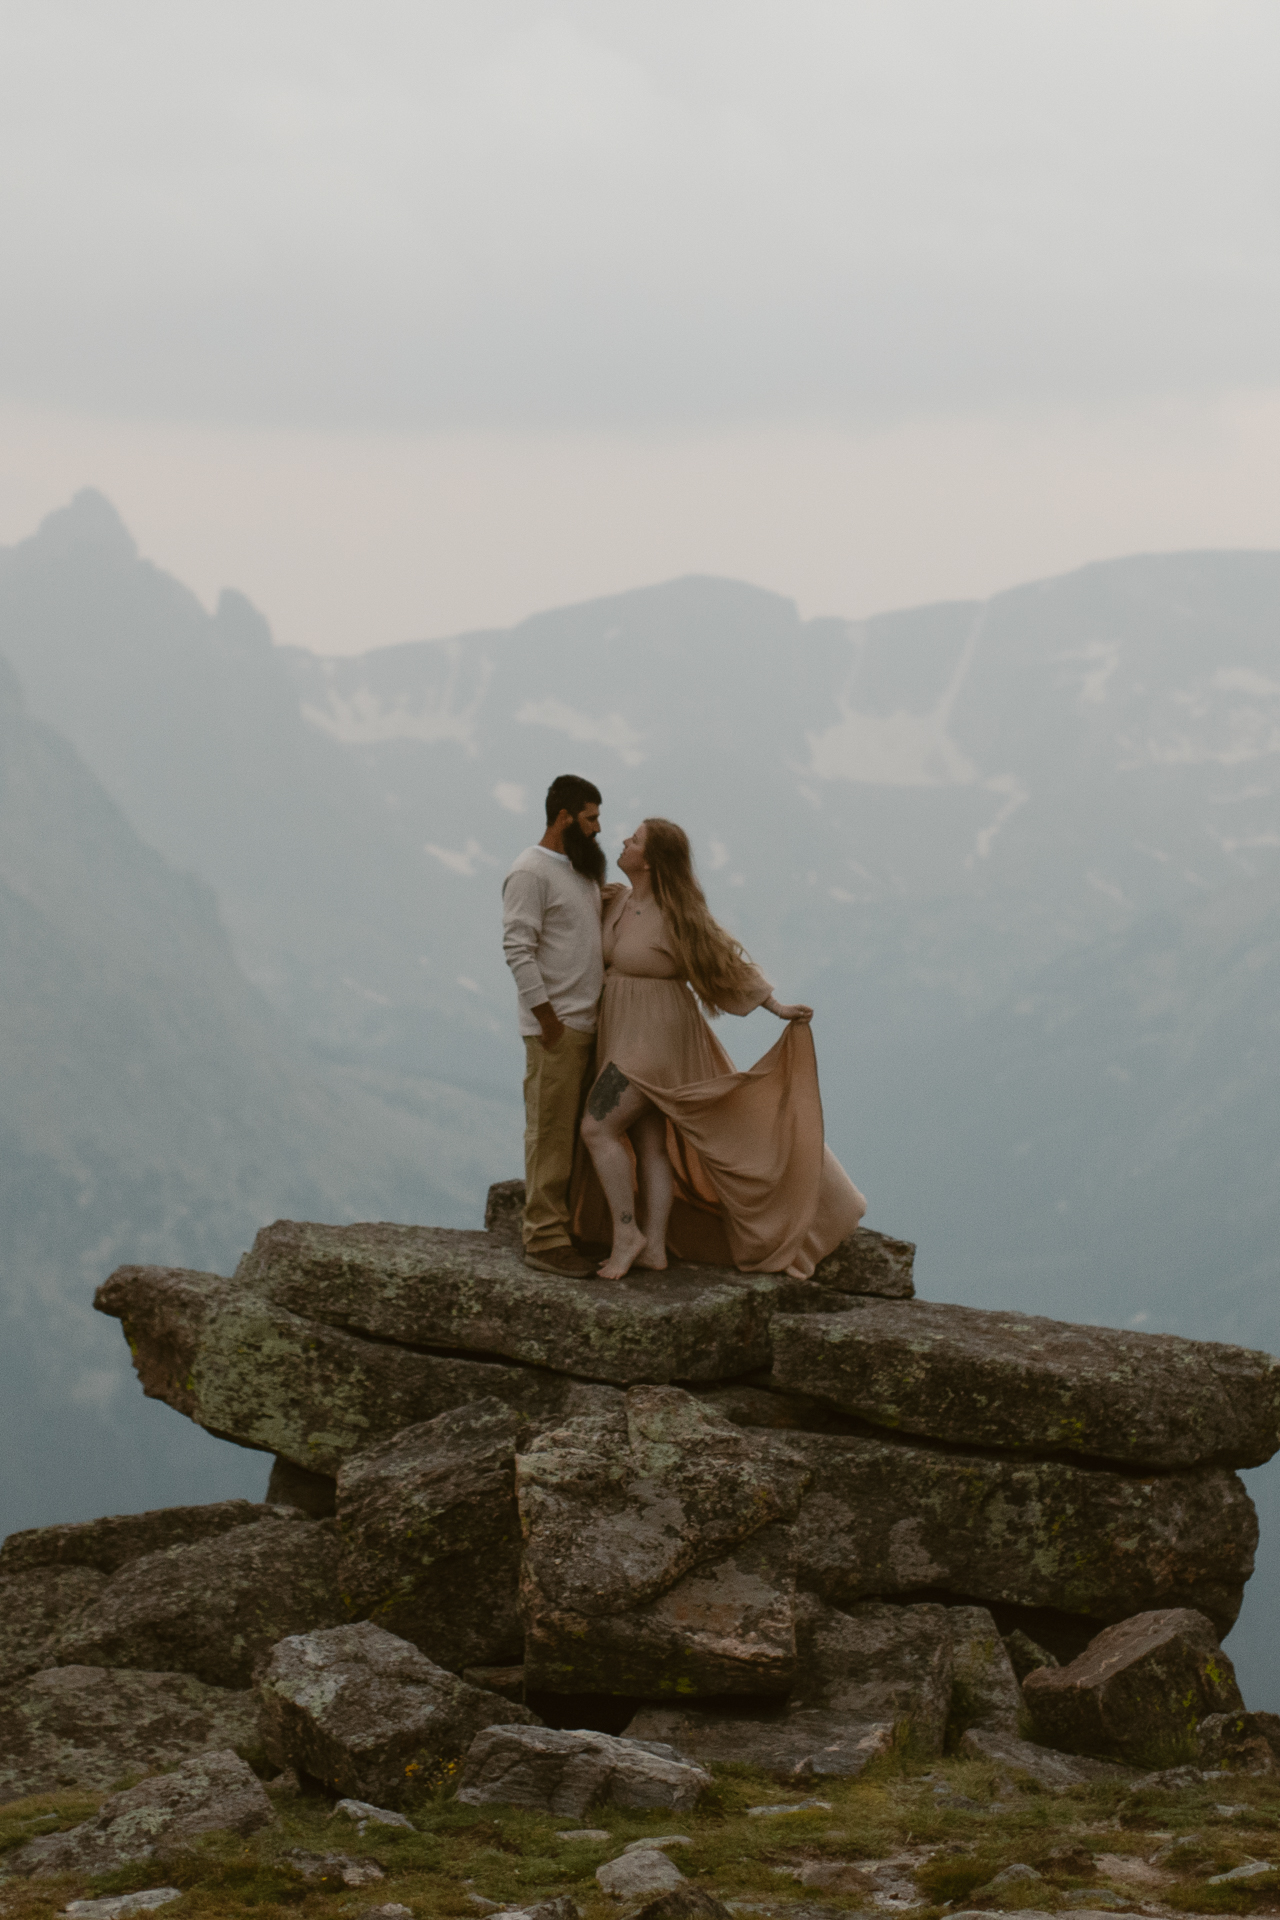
[522, 906]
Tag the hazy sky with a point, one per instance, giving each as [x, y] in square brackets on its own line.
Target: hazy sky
[411, 317]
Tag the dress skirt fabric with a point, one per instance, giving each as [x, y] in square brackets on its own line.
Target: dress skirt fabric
[756, 1185]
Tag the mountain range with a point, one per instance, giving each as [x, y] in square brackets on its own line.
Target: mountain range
[1023, 856]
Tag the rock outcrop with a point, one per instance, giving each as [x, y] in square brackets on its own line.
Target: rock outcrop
[1138, 1692]
[772, 1519]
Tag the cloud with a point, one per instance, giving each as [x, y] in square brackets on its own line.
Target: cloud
[609, 215]
[514, 798]
[467, 862]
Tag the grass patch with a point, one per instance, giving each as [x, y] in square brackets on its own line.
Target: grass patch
[892, 1813]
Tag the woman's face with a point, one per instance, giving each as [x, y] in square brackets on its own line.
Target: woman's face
[631, 859]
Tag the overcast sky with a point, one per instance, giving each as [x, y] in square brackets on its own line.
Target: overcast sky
[408, 317]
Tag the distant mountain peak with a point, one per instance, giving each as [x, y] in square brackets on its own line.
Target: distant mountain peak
[238, 621]
[88, 521]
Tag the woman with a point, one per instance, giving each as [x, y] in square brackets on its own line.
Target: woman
[731, 1167]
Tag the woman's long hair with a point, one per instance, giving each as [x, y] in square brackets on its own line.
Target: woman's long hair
[712, 961]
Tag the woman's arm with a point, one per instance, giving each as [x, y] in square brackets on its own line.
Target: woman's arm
[787, 1013]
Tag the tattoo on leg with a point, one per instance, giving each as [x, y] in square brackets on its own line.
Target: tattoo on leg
[626, 1219]
[607, 1092]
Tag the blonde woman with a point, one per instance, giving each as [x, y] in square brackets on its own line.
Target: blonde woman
[688, 1154]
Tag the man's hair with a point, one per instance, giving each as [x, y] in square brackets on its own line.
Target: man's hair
[569, 793]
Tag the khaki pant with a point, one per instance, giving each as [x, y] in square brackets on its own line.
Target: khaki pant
[555, 1086]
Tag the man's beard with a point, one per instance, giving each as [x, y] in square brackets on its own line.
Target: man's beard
[585, 852]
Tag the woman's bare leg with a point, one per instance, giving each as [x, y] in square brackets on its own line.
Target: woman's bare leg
[613, 1107]
[657, 1185]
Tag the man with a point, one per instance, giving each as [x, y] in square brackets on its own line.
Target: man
[551, 907]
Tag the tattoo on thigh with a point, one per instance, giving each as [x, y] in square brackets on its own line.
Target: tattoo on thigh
[607, 1092]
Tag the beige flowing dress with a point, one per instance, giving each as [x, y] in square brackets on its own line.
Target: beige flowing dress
[756, 1185]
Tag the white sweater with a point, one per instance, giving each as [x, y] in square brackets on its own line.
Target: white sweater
[551, 937]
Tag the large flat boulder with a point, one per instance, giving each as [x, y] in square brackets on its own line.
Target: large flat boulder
[214, 1608]
[865, 1680]
[430, 1535]
[93, 1726]
[564, 1772]
[886, 1517]
[1138, 1692]
[108, 1543]
[257, 1373]
[1013, 1380]
[865, 1262]
[35, 1607]
[658, 1554]
[214, 1792]
[436, 1286]
[369, 1715]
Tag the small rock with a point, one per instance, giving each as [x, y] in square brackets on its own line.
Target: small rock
[659, 1840]
[1139, 1691]
[1025, 1655]
[794, 1806]
[122, 1904]
[1250, 1870]
[211, 1793]
[1097, 1900]
[1018, 1871]
[597, 1834]
[633, 1875]
[389, 1910]
[1169, 1780]
[1235, 1743]
[333, 1869]
[1167, 1856]
[506, 1681]
[563, 1771]
[683, 1903]
[364, 1814]
[367, 1713]
[285, 1786]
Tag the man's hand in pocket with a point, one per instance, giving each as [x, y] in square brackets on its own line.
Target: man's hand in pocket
[552, 1028]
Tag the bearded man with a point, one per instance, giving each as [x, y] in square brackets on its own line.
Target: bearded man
[551, 907]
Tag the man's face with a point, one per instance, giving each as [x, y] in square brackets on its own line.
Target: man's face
[589, 820]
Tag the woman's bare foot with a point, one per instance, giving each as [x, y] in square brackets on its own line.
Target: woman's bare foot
[653, 1259]
[628, 1244]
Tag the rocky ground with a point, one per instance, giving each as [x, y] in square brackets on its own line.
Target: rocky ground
[907, 1836]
